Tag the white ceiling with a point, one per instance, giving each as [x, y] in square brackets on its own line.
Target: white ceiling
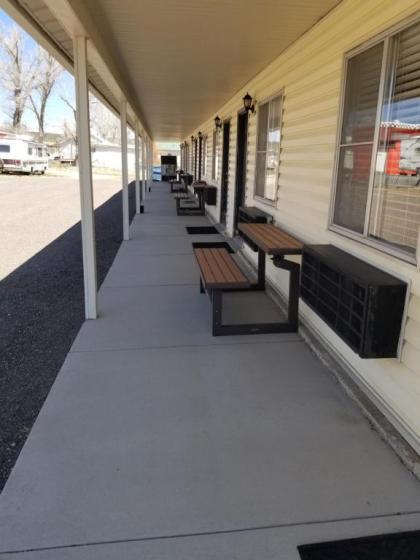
[186, 58]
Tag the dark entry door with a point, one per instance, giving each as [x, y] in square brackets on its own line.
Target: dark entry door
[225, 172]
[242, 139]
[195, 160]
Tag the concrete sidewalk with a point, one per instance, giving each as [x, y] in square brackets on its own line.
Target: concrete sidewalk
[159, 441]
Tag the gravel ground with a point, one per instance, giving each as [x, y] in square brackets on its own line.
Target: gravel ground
[41, 301]
[36, 210]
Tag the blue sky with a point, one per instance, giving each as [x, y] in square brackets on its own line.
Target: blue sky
[57, 110]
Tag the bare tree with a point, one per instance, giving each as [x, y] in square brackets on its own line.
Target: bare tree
[69, 131]
[69, 103]
[18, 71]
[69, 128]
[103, 122]
[48, 71]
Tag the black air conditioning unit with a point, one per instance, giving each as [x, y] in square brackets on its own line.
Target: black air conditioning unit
[187, 178]
[361, 303]
[210, 196]
[252, 214]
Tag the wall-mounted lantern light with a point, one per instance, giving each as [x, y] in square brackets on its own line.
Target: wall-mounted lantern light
[218, 122]
[192, 138]
[249, 104]
[200, 135]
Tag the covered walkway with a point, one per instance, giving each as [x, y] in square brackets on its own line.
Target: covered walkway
[159, 441]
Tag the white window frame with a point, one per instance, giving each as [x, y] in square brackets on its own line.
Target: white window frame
[382, 246]
[263, 199]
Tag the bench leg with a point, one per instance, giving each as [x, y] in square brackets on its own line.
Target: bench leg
[217, 312]
[253, 328]
[219, 329]
[202, 290]
[294, 276]
[294, 294]
[261, 269]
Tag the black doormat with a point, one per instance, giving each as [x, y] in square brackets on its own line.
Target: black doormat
[395, 546]
[202, 230]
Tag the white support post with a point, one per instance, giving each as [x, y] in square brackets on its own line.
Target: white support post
[137, 168]
[85, 178]
[143, 166]
[147, 165]
[124, 168]
[150, 165]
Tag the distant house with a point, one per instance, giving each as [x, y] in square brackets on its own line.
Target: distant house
[104, 153]
[67, 149]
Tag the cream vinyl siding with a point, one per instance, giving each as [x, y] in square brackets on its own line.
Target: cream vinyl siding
[309, 73]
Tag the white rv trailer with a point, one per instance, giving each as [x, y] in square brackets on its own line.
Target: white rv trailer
[18, 155]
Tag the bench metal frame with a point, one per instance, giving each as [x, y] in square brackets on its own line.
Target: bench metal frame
[197, 211]
[177, 186]
[291, 325]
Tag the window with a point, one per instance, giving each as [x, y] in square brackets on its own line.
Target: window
[268, 148]
[377, 194]
[215, 158]
[5, 148]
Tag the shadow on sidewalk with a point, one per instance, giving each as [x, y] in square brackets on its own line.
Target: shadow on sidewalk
[41, 311]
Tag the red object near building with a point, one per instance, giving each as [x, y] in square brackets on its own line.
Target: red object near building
[396, 134]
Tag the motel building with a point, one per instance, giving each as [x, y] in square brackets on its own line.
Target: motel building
[283, 411]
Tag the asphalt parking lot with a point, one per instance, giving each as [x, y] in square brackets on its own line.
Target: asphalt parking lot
[41, 289]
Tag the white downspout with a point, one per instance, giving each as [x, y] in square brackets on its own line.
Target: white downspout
[143, 166]
[137, 167]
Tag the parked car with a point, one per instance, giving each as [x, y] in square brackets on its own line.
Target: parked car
[157, 174]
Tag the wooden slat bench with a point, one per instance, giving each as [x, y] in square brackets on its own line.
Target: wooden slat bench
[192, 207]
[218, 270]
[272, 240]
[219, 273]
[177, 186]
